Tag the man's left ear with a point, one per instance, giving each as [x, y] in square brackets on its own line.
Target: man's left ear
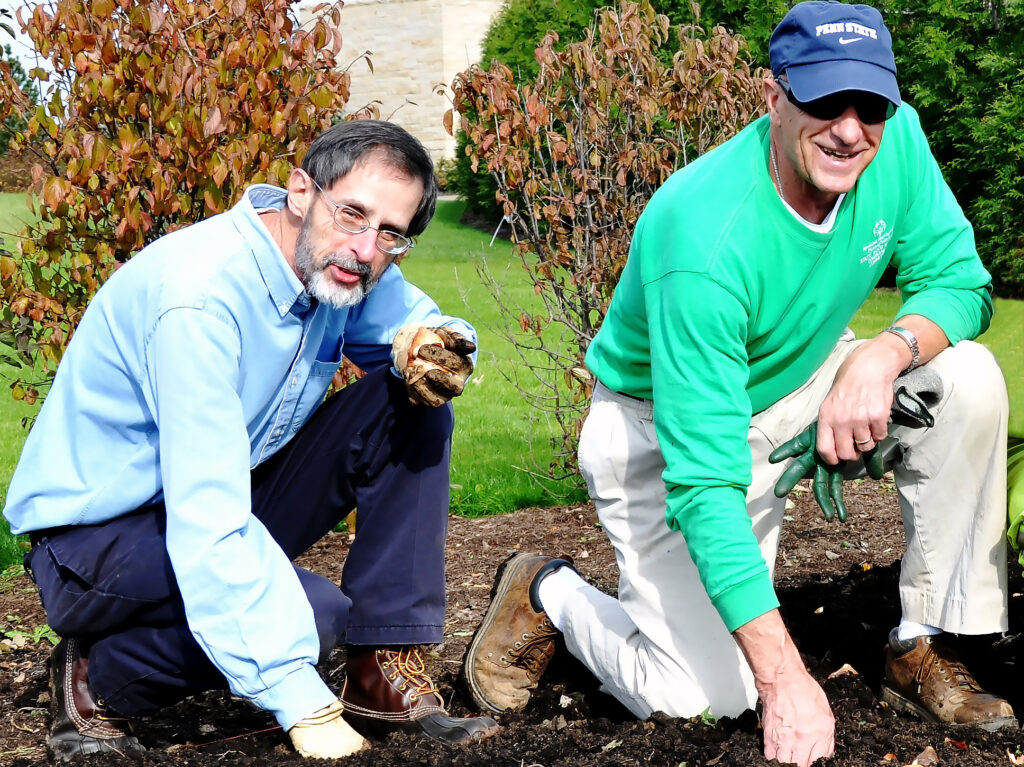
[301, 192]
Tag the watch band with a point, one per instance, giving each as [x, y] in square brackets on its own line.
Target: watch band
[911, 340]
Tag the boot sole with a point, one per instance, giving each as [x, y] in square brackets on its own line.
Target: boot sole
[438, 727]
[902, 704]
[498, 593]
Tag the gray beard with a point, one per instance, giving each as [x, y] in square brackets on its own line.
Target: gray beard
[319, 285]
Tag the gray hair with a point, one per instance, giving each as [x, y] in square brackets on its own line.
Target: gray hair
[336, 151]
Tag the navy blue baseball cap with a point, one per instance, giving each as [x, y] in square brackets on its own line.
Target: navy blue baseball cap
[825, 47]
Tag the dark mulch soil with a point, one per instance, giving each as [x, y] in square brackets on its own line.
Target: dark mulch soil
[837, 584]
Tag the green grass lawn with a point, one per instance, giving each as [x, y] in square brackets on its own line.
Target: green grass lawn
[13, 215]
[492, 465]
[497, 444]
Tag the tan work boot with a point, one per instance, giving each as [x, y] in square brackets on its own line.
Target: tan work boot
[515, 641]
[924, 677]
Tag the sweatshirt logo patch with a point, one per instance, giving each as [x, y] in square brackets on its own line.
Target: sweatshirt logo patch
[875, 249]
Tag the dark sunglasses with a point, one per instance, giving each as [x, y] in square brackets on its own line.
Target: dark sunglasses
[871, 108]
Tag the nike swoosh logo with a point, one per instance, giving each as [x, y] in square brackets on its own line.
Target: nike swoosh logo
[848, 40]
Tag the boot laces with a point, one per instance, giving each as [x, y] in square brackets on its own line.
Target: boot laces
[943, 662]
[526, 653]
[409, 664]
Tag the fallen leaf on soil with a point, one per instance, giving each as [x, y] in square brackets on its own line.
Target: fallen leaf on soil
[611, 744]
[890, 757]
[583, 554]
[845, 670]
[961, 744]
[927, 758]
[1014, 758]
[831, 554]
[565, 701]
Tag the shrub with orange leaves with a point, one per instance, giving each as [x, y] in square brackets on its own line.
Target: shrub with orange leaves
[158, 114]
[576, 153]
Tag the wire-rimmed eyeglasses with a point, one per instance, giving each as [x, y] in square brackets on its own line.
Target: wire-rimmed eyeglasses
[350, 220]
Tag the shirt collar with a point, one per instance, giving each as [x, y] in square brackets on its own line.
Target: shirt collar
[286, 291]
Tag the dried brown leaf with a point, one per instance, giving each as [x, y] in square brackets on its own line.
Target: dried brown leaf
[927, 758]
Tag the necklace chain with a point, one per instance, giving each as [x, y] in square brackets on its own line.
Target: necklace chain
[775, 167]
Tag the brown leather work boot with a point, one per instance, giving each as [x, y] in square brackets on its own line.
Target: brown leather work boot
[81, 723]
[515, 641]
[924, 677]
[388, 689]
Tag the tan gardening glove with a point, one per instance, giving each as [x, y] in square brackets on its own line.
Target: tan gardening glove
[325, 735]
[434, 362]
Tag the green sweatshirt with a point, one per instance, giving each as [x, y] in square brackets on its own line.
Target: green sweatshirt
[727, 304]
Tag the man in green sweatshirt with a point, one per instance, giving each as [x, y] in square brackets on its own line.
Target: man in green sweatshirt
[726, 339]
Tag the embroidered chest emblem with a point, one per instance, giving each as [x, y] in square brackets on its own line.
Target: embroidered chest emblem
[875, 249]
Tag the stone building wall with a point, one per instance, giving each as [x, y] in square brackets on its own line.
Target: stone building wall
[415, 45]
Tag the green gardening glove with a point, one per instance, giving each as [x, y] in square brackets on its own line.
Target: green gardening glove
[826, 479]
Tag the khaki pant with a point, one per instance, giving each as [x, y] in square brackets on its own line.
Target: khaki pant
[662, 645]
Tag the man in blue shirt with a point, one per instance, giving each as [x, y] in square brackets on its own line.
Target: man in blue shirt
[185, 455]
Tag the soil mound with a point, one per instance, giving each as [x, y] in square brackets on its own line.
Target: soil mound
[837, 584]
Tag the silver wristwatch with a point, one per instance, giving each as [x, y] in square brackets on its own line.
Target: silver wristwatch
[911, 340]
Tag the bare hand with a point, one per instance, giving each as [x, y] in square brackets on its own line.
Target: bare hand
[799, 727]
[854, 416]
[798, 723]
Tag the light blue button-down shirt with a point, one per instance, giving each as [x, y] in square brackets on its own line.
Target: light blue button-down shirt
[196, 361]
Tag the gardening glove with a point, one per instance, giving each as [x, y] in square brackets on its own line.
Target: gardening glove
[914, 393]
[826, 479]
[325, 735]
[434, 362]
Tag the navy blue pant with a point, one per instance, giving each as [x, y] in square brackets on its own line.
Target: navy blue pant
[111, 585]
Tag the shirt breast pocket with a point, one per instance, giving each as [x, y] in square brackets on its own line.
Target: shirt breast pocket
[319, 380]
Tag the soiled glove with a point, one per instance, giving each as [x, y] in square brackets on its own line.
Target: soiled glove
[325, 735]
[434, 362]
[826, 479]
